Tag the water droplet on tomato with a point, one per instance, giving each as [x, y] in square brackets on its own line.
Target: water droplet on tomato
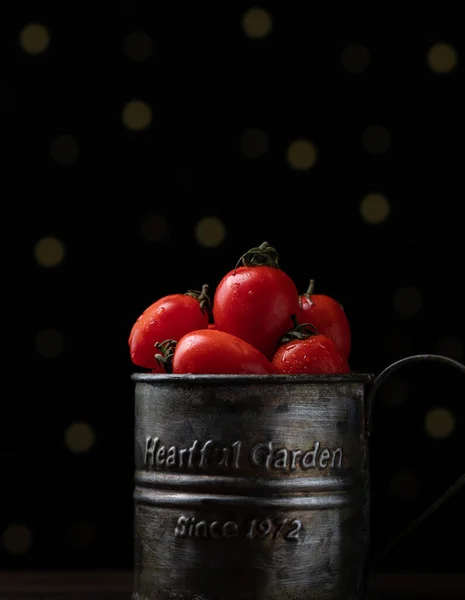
[250, 293]
[160, 311]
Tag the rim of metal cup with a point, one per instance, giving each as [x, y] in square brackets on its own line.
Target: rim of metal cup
[247, 378]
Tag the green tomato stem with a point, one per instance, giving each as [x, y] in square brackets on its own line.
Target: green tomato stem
[310, 289]
[165, 357]
[261, 256]
[203, 299]
[300, 331]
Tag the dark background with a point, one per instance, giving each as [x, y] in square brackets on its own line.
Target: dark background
[382, 112]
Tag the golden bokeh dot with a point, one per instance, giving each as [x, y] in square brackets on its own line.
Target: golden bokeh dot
[254, 143]
[439, 423]
[376, 139]
[451, 346]
[404, 485]
[79, 438]
[442, 58]
[154, 228]
[374, 208]
[16, 539]
[355, 58]
[34, 38]
[257, 23]
[137, 115]
[64, 150]
[138, 46]
[49, 343]
[210, 232]
[407, 301]
[49, 252]
[81, 534]
[301, 154]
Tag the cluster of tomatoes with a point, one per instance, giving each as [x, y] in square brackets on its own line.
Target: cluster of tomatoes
[257, 323]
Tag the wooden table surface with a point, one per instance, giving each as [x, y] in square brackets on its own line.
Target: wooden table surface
[103, 585]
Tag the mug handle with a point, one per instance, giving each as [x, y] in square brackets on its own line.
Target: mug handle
[376, 384]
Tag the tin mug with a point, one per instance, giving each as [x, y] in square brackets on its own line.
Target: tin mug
[254, 487]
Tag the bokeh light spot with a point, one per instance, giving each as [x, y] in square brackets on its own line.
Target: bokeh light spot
[254, 143]
[376, 139]
[137, 115]
[64, 150]
[257, 23]
[451, 346]
[210, 232]
[355, 58]
[301, 154]
[49, 343]
[138, 46]
[374, 208]
[154, 228]
[79, 438]
[34, 38]
[16, 539]
[442, 58]
[49, 252]
[439, 422]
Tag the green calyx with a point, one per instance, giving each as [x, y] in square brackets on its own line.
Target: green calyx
[300, 331]
[261, 256]
[165, 355]
[203, 298]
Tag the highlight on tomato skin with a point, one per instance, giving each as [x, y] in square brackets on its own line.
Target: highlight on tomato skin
[255, 301]
[317, 355]
[169, 318]
[304, 351]
[213, 352]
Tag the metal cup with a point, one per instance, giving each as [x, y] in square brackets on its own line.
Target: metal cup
[253, 487]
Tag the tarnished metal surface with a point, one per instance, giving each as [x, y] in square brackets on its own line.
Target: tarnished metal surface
[250, 487]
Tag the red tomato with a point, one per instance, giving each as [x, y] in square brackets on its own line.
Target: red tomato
[211, 326]
[328, 316]
[210, 351]
[304, 352]
[255, 302]
[169, 318]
